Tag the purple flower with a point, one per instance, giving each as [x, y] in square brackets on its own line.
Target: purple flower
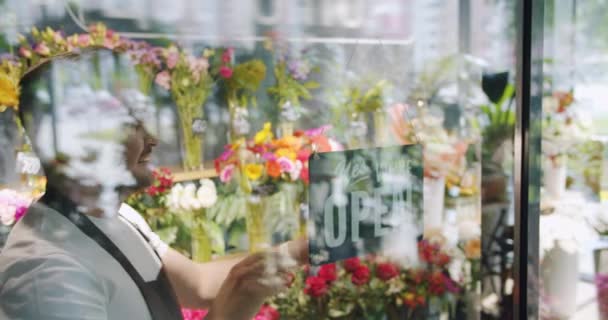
[269, 156]
[299, 70]
[226, 155]
[314, 132]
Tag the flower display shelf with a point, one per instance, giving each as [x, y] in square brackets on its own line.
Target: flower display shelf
[180, 175]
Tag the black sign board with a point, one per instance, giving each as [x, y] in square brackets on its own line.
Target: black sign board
[358, 198]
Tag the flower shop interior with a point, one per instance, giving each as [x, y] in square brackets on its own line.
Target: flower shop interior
[459, 144]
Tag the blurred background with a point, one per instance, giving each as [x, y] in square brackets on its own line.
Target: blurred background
[446, 75]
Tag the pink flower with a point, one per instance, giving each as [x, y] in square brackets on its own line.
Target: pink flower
[269, 156]
[172, 58]
[267, 313]
[227, 154]
[227, 55]
[317, 131]
[190, 314]
[197, 66]
[163, 79]
[227, 173]
[287, 166]
[24, 52]
[42, 49]
[225, 72]
[84, 40]
[20, 212]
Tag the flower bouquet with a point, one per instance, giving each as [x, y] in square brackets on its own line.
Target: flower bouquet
[177, 213]
[563, 128]
[292, 85]
[13, 206]
[239, 83]
[187, 78]
[271, 173]
[372, 288]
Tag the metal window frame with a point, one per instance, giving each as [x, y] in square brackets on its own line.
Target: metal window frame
[527, 143]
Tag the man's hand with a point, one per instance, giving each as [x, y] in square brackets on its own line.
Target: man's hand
[249, 284]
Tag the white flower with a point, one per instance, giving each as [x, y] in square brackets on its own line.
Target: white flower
[189, 201]
[174, 197]
[297, 169]
[207, 194]
[468, 230]
[7, 215]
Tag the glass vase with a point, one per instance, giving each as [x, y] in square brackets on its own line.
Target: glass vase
[200, 245]
[257, 230]
[380, 128]
[192, 141]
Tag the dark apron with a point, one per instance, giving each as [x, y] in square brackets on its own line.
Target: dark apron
[158, 294]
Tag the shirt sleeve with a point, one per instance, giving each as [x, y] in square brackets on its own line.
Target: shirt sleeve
[55, 287]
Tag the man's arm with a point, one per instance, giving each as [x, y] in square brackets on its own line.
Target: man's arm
[197, 285]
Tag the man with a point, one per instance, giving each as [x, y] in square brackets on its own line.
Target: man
[79, 253]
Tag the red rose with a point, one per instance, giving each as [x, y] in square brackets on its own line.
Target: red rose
[436, 283]
[328, 272]
[442, 259]
[315, 287]
[418, 276]
[352, 264]
[152, 191]
[267, 313]
[386, 271]
[361, 275]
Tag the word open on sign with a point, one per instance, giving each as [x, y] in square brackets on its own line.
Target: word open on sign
[359, 197]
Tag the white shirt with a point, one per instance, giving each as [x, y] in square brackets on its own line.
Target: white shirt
[49, 269]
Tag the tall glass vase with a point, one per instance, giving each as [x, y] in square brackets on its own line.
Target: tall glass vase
[190, 118]
[257, 230]
[380, 136]
[200, 245]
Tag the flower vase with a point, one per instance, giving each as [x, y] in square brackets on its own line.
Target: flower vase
[555, 174]
[190, 118]
[257, 231]
[239, 121]
[200, 245]
[559, 272]
[291, 209]
[357, 131]
[433, 194]
[286, 128]
[380, 128]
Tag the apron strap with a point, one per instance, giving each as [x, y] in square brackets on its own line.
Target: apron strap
[158, 294]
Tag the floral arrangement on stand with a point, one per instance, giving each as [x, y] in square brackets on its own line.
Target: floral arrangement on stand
[188, 79]
[177, 213]
[240, 83]
[13, 206]
[563, 128]
[444, 160]
[372, 288]
[292, 85]
[358, 103]
[272, 174]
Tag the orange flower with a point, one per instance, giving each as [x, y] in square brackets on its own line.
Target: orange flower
[289, 142]
[273, 169]
[472, 249]
[287, 153]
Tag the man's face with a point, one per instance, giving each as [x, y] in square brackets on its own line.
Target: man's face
[139, 144]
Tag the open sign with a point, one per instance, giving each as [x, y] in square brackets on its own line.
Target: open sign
[357, 198]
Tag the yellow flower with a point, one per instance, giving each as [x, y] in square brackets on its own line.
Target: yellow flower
[287, 153]
[253, 171]
[9, 91]
[238, 143]
[264, 135]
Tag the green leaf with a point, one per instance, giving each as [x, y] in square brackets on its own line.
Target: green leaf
[167, 235]
[311, 85]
